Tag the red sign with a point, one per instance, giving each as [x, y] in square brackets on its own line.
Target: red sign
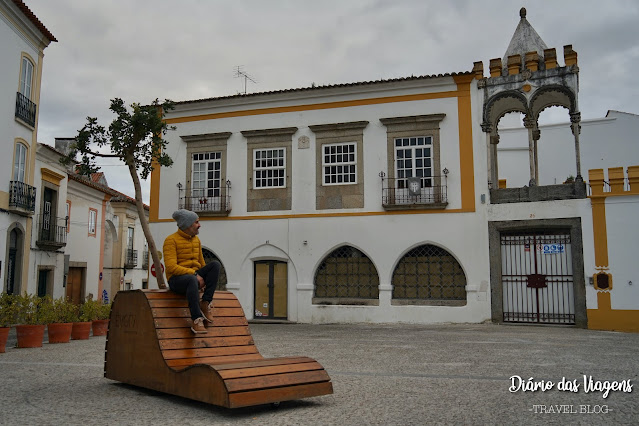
[153, 269]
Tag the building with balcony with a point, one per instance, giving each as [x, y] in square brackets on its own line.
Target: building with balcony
[23, 39]
[380, 201]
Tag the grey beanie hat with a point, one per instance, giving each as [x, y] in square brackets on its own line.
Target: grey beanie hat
[184, 218]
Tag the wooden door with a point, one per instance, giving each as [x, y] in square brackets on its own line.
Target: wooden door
[74, 285]
[271, 289]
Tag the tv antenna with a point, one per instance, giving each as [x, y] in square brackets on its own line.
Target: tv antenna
[239, 72]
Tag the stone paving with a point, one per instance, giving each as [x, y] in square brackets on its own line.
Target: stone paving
[382, 375]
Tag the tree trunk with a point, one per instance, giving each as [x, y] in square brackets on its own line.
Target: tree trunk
[159, 274]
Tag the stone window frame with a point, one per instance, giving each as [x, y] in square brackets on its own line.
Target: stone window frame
[344, 196]
[203, 143]
[411, 126]
[269, 199]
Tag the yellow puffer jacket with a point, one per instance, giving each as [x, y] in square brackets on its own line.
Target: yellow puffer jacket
[182, 254]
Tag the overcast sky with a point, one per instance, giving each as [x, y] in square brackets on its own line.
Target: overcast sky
[140, 50]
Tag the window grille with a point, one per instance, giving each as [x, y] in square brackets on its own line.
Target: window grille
[429, 272]
[347, 273]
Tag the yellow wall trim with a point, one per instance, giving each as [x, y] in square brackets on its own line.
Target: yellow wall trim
[51, 176]
[321, 215]
[319, 106]
[606, 318]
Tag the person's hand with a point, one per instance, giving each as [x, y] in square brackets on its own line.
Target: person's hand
[200, 281]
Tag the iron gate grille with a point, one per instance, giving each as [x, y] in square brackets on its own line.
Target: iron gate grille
[537, 278]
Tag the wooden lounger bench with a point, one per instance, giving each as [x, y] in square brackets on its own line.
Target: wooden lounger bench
[150, 344]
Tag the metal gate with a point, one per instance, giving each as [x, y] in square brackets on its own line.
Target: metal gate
[537, 277]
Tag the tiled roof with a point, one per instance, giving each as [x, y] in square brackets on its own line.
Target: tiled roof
[116, 195]
[34, 19]
[330, 86]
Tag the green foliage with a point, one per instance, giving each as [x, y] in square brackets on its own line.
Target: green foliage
[90, 310]
[31, 309]
[7, 310]
[104, 311]
[135, 136]
[60, 311]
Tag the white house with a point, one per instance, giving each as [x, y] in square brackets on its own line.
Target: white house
[378, 201]
[23, 39]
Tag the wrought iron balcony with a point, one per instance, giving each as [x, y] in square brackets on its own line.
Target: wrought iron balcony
[414, 193]
[25, 109]
[22, 198]
[145, 259]
[131, 260]
[52, 232]
[206, 202]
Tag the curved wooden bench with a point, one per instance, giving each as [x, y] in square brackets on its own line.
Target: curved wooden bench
[150, 344]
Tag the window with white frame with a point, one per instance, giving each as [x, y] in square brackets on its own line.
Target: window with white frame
[414, 159]
[26, 78]
[206, 174]
[269, 168]
[68, 215]
[19, 162]
[93, 219]
[339, 164]
[129, 244]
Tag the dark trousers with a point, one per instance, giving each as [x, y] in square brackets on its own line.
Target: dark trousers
[188, 284]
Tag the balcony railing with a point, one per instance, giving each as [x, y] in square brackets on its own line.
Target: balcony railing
[25, 109]
[52, 232]
[410, 193]
[22, 198]
[145, 259]
[131, 260]
[212, 201]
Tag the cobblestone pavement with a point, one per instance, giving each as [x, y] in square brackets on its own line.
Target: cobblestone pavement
[381, 374]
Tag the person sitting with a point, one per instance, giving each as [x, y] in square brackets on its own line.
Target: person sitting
[186, 271]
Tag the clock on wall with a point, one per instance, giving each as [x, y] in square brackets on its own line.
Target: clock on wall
[414, 185]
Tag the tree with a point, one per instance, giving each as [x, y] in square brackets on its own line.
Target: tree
[135, 136]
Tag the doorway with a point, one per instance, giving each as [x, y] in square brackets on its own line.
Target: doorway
[271, 289]
[74, 285]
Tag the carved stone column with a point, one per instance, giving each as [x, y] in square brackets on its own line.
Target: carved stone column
[494, 169]
[575, 119]
[529, 123]
[536, 133]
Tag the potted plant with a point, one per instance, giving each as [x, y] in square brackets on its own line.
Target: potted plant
[100, 325]
[30, 320]
[7, 318]
[88, 312]
[61, 314]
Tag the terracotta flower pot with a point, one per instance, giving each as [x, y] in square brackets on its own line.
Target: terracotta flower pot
[4, 335]
[81, 330]
[30, 336]
[59, 332]
[100, 327]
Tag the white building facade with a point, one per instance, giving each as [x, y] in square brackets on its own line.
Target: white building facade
[23, 39]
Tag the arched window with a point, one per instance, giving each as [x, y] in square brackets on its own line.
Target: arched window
[347, 273]
[429, 272]
[26, 77]
[20, 162]
[209, 256]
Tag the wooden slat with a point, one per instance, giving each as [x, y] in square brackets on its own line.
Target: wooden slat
[202, 352]
[179, 363]
[245, 399]
[186, 322]
[167, 294]
[205, 342]
[265, 362]
[276, 381]
[265, 371]
[182, 303]
[183, 333]
[184, 312]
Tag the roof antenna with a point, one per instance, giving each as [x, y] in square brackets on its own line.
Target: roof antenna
[239, 72]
